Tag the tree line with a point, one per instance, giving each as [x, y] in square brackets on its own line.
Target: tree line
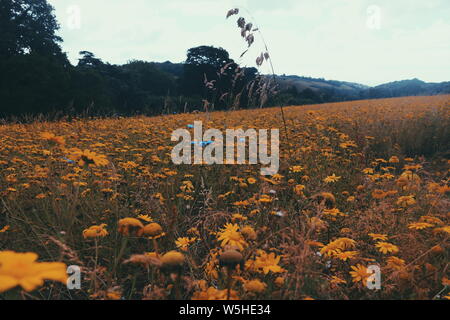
[37, 78]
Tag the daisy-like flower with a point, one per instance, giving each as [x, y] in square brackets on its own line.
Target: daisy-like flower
[255, 286]
[445, 229]
[187, 187]
[446, 282]
[129, 226]
[238, 217]
[145, 217]
[296, 169]
[419, 225]
[345, 255]
[394, 159]
[395, 263]
[337, 246]
[87, 157]
[359, 273]
[184, 243]
[95, 232]
[152, 230]
[230, 235]
[332, 178]
[249, 233]
[432, 220]
[333, 212]
[53, 138]
[336, 280]
[386, 247]
[406, 201]
[298, 189]
[265, 199]
[265, 263]
[22, 269]
[379, 194]
[377, 236]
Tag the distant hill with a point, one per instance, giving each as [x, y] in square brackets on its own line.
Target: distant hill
[305, 90]
[319, 90]
[175, 69]
[412, 87]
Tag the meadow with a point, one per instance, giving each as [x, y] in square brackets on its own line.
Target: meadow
[362, 183]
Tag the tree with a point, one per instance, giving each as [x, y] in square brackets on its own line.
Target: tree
[208, 56]
[209, 73]
[31, 84]
[147, 77]
[34, 73]
[88, 59]
[28, 26]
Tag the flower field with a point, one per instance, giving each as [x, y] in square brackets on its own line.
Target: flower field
[363, 183]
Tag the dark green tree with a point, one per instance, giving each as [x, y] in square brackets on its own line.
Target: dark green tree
[28, 26]
[211, 74]
[34, 72]
[207, 69]
[88, 59]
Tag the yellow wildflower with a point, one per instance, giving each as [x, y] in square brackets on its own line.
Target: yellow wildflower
[95, 232]
[22, 269]
[386, 247]
[230, 235]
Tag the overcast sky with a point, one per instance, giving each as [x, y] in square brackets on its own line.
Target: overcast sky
[364, 41]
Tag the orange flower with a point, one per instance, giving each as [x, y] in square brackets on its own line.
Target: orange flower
[376, 236]
[332, 178]
[265, 263]
[184, 243]
[406, 201]
[87, 157]
[95, 231]
[379, 194]
[153, 230]
[53, 138]
[386, 247]
[231, 236]
[394, 159]
[255, 286]
[298, 189]
[21, 269]
[359, 273]
[214, 294]
[336, 280]
[129, 226]
[395, 263]
[419, 225]
[345, 255]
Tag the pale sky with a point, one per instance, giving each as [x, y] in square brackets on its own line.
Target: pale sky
[365, 41]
